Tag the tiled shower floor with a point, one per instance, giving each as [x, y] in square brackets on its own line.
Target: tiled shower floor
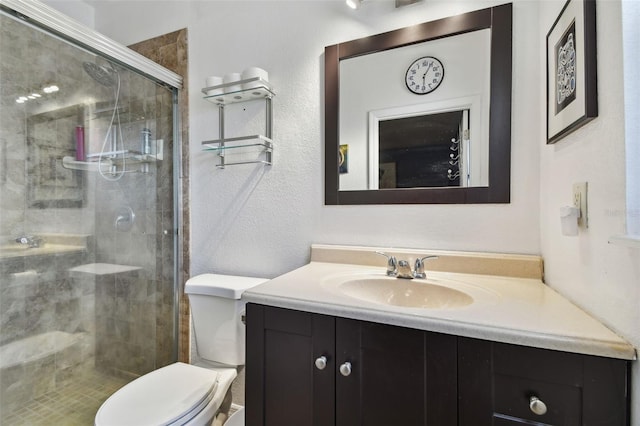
[75, 404]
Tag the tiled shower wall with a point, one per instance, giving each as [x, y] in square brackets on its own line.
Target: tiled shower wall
[171, 51]
[38, 297]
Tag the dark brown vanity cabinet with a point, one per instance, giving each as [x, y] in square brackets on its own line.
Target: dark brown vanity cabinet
[505, 385]
[371, 374]
[311, 369]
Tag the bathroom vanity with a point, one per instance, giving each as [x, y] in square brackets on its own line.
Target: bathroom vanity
[322, 350]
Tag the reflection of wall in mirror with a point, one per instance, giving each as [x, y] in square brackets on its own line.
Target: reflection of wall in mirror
[377, 81]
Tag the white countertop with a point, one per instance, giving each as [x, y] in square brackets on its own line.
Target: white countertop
[522, 311]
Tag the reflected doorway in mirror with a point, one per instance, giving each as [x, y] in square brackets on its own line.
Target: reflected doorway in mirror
[431, 145]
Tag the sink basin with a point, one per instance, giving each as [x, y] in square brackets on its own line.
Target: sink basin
[404, 293]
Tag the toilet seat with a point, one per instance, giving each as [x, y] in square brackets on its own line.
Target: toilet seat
[177, 394]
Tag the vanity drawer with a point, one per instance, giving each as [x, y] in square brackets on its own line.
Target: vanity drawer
[497, 380]
[513, 396]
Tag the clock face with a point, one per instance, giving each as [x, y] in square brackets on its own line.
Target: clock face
[424, 75]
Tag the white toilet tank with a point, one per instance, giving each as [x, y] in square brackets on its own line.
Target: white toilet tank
[216, 310]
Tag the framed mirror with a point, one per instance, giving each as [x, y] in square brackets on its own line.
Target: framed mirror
[421, 115]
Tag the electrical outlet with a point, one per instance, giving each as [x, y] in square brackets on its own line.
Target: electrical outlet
[580, 201]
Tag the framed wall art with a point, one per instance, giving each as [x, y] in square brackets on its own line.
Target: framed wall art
[572, 93]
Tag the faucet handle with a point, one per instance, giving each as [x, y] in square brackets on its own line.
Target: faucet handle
[392, 264]
[23, 239]
[30, 240]
[418, 270]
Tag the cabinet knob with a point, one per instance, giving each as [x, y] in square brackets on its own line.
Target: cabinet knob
[321, 362]
[345, 369]
[537, 406]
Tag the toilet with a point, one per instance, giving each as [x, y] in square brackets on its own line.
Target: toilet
[236, 419]
[185, 394]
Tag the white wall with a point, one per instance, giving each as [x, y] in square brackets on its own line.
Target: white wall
[79, 10]
[602, 278]
[260, 220]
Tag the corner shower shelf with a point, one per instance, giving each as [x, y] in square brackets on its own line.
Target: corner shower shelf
[111, 158]
[262, 144]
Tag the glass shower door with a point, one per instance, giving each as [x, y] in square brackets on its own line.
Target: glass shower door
[87, 258]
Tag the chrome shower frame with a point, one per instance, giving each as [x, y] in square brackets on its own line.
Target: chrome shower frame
[44, 17]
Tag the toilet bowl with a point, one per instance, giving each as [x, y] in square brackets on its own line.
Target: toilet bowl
[184, 394]
[178, 394]
[236, 419]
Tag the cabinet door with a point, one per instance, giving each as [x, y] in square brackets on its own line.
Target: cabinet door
[283, 385]
[497, 382]
[398, 376]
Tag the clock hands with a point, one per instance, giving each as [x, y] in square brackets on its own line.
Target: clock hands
[424, 76]
[427, 71]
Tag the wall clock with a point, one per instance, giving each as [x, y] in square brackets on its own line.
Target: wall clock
[424, 75]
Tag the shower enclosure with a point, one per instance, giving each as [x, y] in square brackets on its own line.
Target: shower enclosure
[88, 218]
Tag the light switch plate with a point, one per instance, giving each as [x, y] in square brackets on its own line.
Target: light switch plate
[580, 201]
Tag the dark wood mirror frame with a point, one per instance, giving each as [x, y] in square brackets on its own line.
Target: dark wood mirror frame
[499, 20]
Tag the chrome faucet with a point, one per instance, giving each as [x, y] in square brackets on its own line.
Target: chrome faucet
[402, 268]
[392, 264]
[32, 241]
[418, 270]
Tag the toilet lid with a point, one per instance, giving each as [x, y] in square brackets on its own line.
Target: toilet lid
[163, 397]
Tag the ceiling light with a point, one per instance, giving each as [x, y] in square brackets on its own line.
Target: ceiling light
[36, 95]
[354, 4]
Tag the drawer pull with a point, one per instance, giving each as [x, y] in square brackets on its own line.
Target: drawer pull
[321, 362]
[345, 369]
[537, 406]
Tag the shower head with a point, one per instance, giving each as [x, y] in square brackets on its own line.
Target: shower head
[107, 76]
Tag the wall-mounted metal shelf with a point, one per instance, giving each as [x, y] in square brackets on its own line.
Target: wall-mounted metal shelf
[260, 89]
[243, 144]
[261, 144]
